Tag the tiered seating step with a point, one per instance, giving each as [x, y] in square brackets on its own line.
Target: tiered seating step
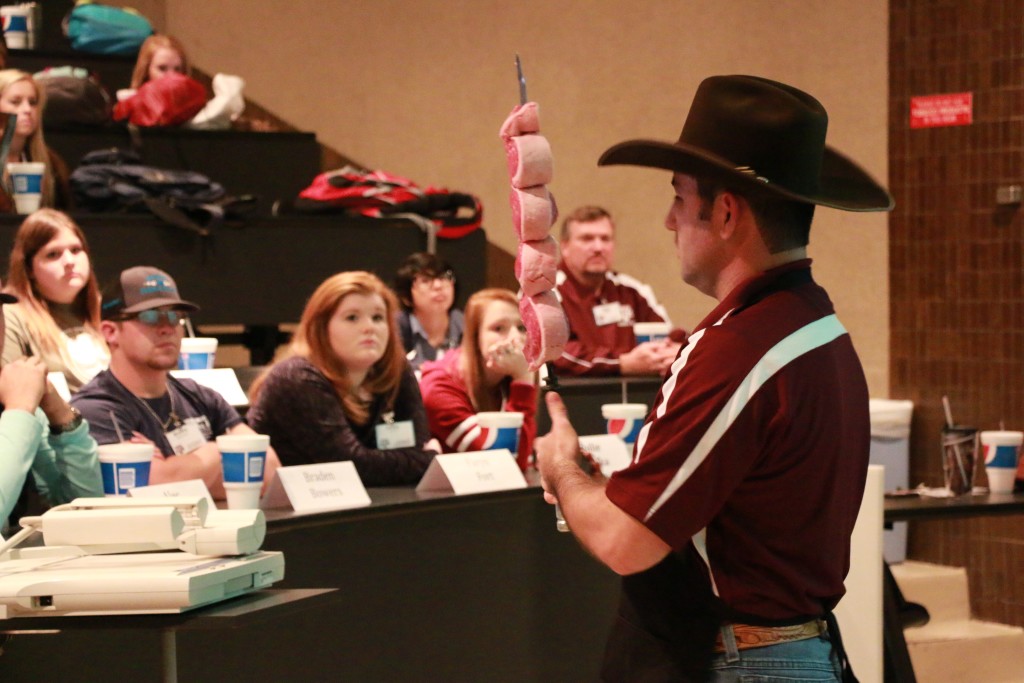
[952, 647]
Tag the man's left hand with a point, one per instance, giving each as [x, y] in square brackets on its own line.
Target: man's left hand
[559, 449]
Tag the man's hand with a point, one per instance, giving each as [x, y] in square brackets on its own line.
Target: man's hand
[22, 384]
[558, 451]
[649, 358]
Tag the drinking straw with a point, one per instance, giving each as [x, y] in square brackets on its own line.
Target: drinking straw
[956, 444]
[117, 427]
[188, 327]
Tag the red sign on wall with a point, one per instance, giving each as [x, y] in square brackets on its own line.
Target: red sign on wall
[930, 111]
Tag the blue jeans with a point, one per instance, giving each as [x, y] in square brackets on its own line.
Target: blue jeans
[801, 661]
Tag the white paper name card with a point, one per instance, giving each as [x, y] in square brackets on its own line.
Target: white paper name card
[222, 380]
[191, 488]
[473, 472]
[322, 486]
[609, 451]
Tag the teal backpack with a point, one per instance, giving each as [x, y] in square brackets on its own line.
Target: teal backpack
[106, 30]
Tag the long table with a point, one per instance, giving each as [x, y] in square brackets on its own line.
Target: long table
[431, 588]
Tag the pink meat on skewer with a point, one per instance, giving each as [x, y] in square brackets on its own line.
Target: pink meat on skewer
[547, 330]
[524, 119]
[536, 265]
[533, 212]
[529, 160]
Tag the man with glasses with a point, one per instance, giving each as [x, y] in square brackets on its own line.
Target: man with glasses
[137, 400]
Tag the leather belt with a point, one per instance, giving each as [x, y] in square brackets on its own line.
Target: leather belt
[748, 637]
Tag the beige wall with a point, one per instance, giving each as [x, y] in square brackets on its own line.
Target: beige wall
[419, 88]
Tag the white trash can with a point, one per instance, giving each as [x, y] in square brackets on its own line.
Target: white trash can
[890, 447]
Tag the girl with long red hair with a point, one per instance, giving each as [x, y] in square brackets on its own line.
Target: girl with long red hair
[345, 391]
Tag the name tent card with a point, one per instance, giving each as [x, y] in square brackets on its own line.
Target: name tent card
[473, 472]
[191, 488]
[222, 380]
[319, 487]
[609, 451]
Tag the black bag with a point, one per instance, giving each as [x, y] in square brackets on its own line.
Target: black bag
[73, 96]
[112, 180]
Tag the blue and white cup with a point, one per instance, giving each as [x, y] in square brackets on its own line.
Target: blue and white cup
[16, 20]
[244, 459]
[27, 182]
[1002, 453]
[501, 430]
[624, 420]
[197, 353]
[647, 332]
[124, 466]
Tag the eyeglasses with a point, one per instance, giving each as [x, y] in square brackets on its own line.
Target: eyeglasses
[154, 317]
[447, 277]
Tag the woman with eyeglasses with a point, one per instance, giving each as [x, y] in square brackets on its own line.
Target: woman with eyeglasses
[487, 373]
[57, 317]
[345, 390]
[428, 322]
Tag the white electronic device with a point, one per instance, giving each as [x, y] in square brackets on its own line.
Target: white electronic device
[134, 556]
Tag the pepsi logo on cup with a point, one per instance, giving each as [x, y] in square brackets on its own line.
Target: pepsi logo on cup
[624, 420]
[500, 430]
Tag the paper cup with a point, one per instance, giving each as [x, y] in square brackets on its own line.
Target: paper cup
[16, 26]
[501, 430]
[197, 353]
[243, 457]
[27, 180]
[124, 466]
[243, 496]
[624, 419]
[1001, 450]
[645, 332]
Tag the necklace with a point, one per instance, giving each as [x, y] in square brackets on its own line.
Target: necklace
[172, 419]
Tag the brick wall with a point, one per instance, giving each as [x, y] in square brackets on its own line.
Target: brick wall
[956, 271]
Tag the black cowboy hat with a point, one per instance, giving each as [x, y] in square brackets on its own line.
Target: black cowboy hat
[754, 132]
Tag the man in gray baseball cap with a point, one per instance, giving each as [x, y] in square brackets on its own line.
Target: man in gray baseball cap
[137, 400]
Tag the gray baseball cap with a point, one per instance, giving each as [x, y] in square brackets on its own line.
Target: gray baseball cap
[140, 289]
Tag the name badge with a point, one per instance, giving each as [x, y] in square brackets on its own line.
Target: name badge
[626, 317]
[473, 472]
[395, 435]
[185, 438]
[321, 486]
[607, 314]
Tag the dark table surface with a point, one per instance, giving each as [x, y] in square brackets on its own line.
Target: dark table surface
[923, 507]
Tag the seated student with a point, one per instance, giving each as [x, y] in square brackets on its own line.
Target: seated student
[138, 400]
[345, 387]
[487, 373]
[21, 95]
[601, 305]
[46, 454]
[57, 317]
[428, 323]
[159, 55]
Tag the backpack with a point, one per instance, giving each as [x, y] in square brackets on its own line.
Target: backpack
[380, 194]
[73, 96]
[101, 29]
[168, 101]
[111, 180]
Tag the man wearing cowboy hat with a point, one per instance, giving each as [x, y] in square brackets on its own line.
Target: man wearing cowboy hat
[731, 526]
